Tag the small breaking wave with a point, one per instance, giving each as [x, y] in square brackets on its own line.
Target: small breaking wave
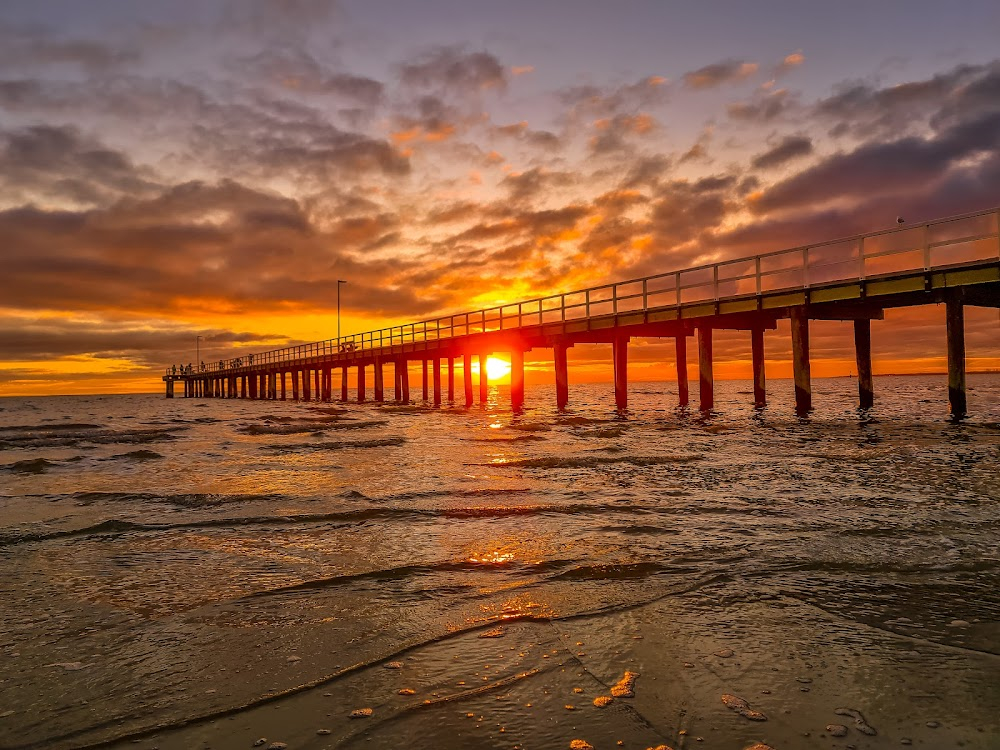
[612, 572]
[75, 437]
[72, 426]
[336, 445]
[515, 439]
[590, 462]
[30, 466]
[140, 455]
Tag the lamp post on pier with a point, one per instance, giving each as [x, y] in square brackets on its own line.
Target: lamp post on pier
[197, 352]
[339, 282]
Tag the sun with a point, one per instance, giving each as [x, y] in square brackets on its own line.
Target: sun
[496, 368]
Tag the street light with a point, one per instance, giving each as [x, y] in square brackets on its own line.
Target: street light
[197, 352]
[339, 282]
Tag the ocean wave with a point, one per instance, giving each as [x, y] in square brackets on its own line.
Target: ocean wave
[50, 427]
[30, 466]
[515, 439]
[337, 519]
[602, 432]
[589, 462]
[530, 427]
[73, 438]
[140, 455]
[336, 445]
[612, 571]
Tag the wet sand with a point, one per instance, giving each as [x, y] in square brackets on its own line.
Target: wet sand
[535, 686]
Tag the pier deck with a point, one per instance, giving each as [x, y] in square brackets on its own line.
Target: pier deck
[954, 261]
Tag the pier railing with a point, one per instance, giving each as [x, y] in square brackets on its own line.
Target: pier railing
[945, 243]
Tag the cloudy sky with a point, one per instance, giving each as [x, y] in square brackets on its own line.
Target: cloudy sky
[184, 169]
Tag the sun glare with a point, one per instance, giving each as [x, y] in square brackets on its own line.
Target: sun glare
[497, 368]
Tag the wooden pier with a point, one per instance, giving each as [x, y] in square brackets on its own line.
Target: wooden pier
[953, 261]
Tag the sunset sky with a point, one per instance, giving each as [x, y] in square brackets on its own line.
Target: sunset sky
[184, 169]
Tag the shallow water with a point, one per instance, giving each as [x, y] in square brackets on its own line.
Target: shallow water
[256, 565]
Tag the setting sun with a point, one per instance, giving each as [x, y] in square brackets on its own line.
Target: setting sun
[496, 368]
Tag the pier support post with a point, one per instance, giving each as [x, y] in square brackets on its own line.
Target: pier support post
[800, 360]
[295, 384]
[706, 375]
[361, 383]
[283, 386]
[379, 383]
[757, 355]
[404, 379]
[517, 379]
[451, 380]
[243, 386]
[170, 389]
[424, 369]
[436, 375]
[619, 353]
[317, 380]
[343, 383]
[467, 378]
[863, 357]
[306, 385]
[562, 375]
[254, 386]
[683, 389]
[484, 380]
[955, 324]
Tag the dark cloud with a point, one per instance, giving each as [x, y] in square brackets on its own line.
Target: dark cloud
[525, 187]
[42, 339]
[298, 71]
[764, 106]
[219, 246]
[616, 134]
[59, 162]
[866, 111]
[607, 101]
[717, 74]
[874, 169]
[23, 48]
[454, 69]
[787, 149]
[542, 139]
[699, 151]
[647, 171]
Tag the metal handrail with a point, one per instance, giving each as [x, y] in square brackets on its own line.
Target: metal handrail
[804, 270]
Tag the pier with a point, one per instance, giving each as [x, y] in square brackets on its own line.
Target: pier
[953, 261]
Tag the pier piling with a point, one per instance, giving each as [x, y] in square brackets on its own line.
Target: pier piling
[483, 380]
[436, 376]
[955, 326]
[467, 378]
[863, 357]
[757, 356]
[706, 376]
[379, 382]
[562, 375]
[683, 388]
[800, 360]
[619, 353]
[517, 379]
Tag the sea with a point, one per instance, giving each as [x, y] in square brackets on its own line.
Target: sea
[213, 573]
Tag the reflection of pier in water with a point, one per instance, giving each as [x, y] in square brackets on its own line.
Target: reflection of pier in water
[955, 261]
